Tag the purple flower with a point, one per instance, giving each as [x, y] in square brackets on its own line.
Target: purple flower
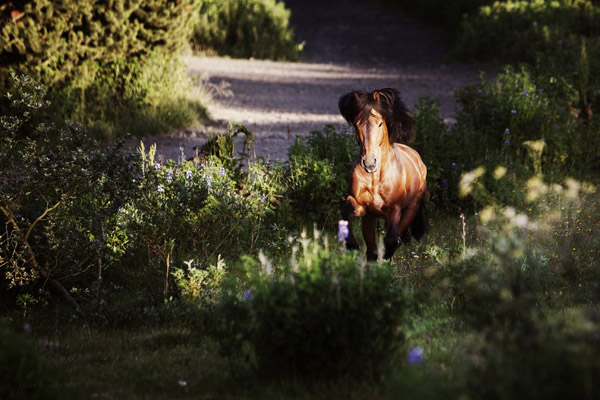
[247, 295]
[415, 355]
[507, 131]
[160, 188]
[525, 92]
[342, 230]
[445, 184]
[555, 126]
[121, 210]
[540, 90]
[221, 171]
[157, 166]
[513, 111]
[453, 165]
[27, 328]
[188, 174]
[208, 181]
[507, 141]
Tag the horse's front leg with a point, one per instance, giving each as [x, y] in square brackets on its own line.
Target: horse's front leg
[350, 211]
[391, 240]
[369, 231]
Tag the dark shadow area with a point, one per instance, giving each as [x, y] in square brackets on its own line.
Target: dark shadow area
[361, 32]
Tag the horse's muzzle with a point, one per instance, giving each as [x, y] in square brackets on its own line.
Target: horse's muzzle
[370, 168]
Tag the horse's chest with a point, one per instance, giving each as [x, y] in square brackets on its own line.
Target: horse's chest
[375, 201]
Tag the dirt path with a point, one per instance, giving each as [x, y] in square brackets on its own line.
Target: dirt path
[349, 44]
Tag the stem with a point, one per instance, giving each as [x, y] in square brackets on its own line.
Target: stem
[33, 261]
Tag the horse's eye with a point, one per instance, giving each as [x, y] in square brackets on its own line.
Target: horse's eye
[381, 123]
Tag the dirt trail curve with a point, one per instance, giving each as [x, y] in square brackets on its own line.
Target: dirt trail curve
[349, 44]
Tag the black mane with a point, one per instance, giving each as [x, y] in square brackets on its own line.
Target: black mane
[356, 106]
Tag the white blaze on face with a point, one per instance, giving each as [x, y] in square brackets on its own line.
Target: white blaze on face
[372, 134]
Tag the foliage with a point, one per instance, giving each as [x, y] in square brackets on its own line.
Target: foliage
[72, 210]
[438, 147]
[515, 30]
[61, 200]
[245, 28]
[525, 348]
[318, 174]
[93, 55]
[322, 315]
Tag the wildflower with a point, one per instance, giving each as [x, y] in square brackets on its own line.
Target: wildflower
[221, 171]
[160, 188]
[525, 92]
[157, 166]
[415, 355]
[555, 126]
[188, 174]
[453, 165]
[513, 111]
[342, 230]
[262, 197]
[18, 217]
[507, 141]
[247, 295]
[507, 131]
[182, 383]
[208, 181]
[445, 185]
[27, 328]
[169, 176]
[121, 210]
[540, 90]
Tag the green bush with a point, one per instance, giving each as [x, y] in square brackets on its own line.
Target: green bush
[323, 315]
[246, 28]
[318, 174]
[106, 63]
[93, 218]
[522, 30]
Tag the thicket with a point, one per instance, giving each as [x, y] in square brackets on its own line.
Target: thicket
[245, 29]
[109, 64]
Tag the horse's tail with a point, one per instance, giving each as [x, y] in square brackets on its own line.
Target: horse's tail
[418, 226]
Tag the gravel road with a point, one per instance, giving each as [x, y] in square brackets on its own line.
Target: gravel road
[350, 44]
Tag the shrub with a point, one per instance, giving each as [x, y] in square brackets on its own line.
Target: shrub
[522, 30]
[60, 201]
[246, 28]
[439, 148]
[323, 315]
[318, 174]
[499, 116]
[92, 56]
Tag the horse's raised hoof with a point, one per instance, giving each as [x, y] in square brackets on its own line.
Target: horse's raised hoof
[390, 247]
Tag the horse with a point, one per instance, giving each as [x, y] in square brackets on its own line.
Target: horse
[388, 178]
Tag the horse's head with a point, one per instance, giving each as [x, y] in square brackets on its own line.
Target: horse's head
[380, 118]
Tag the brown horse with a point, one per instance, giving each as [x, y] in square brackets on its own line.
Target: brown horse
[388, 177]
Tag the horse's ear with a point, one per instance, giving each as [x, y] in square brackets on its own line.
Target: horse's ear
[398, 120]
[349, 108]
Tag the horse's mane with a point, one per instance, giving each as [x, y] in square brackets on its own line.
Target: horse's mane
[356, 106]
